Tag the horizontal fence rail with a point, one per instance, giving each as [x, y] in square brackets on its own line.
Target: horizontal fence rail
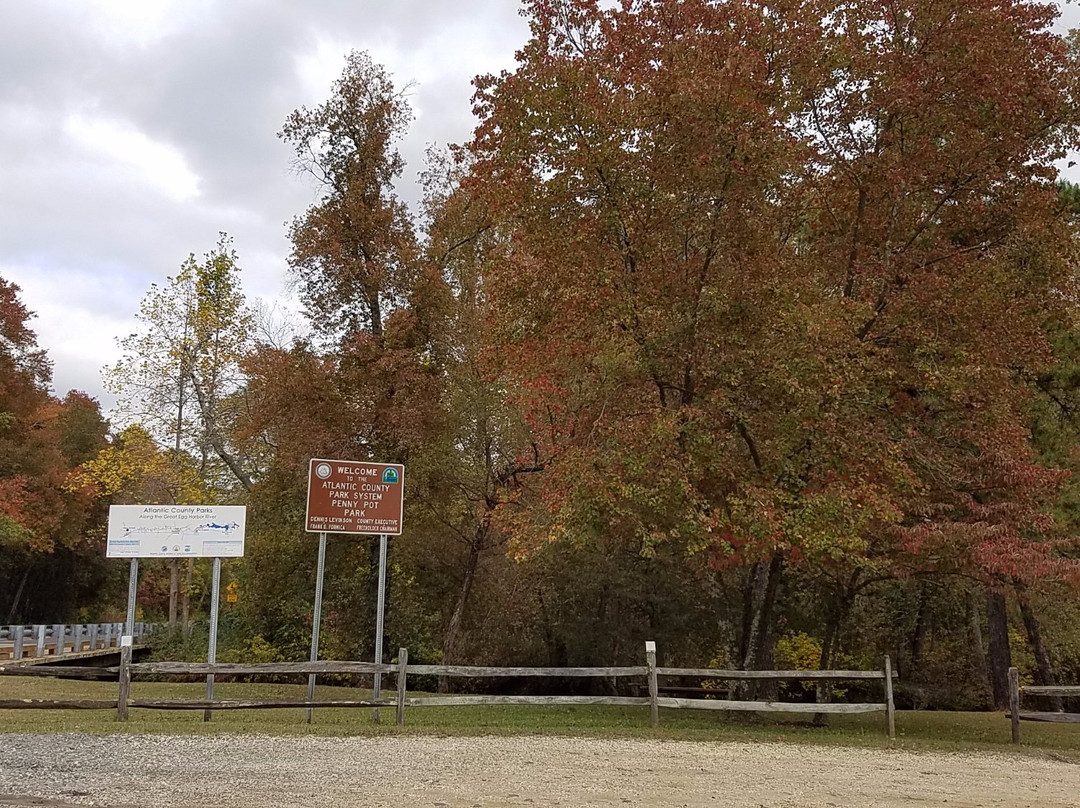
[480, 672]
[18, 642]
[777, 675]
[771, 706]
[259, 668]
[465, 701]
[1052, 690]
[126, 670]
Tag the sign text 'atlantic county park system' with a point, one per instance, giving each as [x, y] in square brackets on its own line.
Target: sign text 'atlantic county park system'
[350, 496]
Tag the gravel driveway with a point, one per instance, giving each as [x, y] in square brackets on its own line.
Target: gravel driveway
[490, 772]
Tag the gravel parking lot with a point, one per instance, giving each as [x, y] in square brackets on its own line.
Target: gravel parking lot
[123, 771]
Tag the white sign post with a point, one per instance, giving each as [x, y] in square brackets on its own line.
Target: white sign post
[177, 531]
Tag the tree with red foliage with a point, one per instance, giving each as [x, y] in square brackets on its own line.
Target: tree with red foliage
[41, 439]
[770, 274]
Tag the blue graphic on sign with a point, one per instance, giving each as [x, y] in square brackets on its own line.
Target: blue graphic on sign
[227, 528]
[390, 476]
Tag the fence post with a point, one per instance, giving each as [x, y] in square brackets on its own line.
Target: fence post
[654, 692]
[402, 665]
[17, 635]
[1014, 703]
[125, 679]
[890, 708]
[40, 650]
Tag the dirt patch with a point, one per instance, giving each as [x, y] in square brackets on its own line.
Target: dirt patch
[263, 772]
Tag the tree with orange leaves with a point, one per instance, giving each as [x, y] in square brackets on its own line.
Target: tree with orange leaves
[772, 271]
[43, 527]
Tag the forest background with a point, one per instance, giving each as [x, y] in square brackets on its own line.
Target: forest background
[746, 328]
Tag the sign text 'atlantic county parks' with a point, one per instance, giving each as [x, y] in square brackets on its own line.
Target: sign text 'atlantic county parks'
[350, 496]
[172, 531]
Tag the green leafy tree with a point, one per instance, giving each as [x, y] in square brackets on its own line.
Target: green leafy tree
[180, 374]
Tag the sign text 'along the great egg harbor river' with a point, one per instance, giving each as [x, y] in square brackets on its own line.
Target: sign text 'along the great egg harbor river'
[350, 496]
[171, 531]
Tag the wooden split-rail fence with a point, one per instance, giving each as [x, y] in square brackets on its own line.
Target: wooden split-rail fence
[403, 670]
[57, 639]
[1016, 691]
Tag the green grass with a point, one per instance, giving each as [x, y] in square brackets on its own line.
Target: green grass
[917, 731]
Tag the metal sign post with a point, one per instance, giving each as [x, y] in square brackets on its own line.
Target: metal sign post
[211, 651]
[377, 690]
[316, 620]
[133, 584]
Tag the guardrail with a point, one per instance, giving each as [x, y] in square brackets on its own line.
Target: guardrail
[42, 640]
[402, 669]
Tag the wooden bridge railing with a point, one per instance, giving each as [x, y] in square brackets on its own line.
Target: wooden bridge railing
[57, 639]
[402, 669]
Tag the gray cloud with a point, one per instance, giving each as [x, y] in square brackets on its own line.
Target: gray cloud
[97, 125]
[101, 130]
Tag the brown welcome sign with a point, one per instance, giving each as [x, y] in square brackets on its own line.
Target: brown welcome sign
[350, 496]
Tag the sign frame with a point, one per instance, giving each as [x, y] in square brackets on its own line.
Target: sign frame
[176, 531]
[342, 492]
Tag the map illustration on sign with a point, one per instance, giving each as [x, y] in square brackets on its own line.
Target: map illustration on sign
[171, 531]
[350, 496]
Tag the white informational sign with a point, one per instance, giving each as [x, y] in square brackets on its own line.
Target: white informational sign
[176, 531]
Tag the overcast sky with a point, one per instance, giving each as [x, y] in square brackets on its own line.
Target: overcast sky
[133, 131]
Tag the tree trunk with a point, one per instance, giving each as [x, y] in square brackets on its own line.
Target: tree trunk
[217, 443]
[837, 614]
[18, 594]
[918, 638]
[1044, 669]
[556, 646]
[747, 613]
[823, 689]
[453, 628]
[978, 649]
[1000, 655]
[759, 639]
